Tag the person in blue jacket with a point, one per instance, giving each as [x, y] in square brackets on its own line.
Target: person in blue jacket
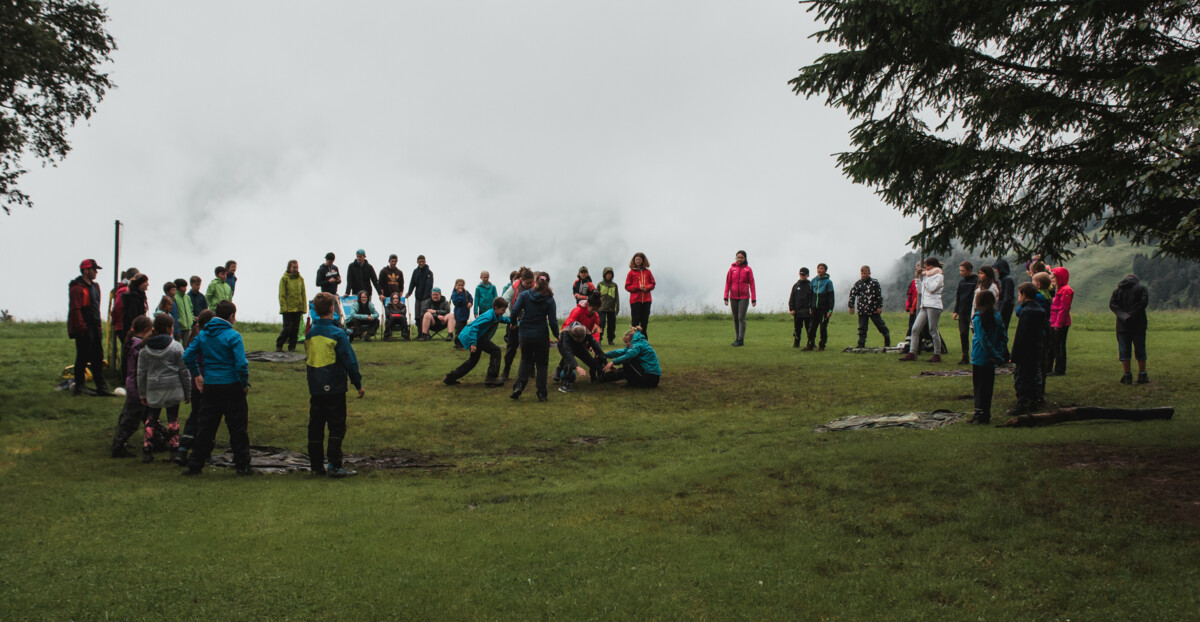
[823, 291]
[477, 337]
[638, 361]
[364, 319]
[461, 300]
[329, 361]
[224, 384]
[538, 316]
[987, 351]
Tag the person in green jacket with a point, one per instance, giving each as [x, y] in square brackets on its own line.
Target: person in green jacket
[293, 302]
[610, 304]
[183, 305]
[218, 290]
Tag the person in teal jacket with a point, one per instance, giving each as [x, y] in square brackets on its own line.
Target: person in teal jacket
[477, 337]
[823, 292]
[485, 293]
[364, 319]
[639, 362]
[987, 350]
[224, 384]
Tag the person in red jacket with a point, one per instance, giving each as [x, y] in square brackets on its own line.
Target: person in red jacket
[83, 325]
[639, 283]
[739, 287]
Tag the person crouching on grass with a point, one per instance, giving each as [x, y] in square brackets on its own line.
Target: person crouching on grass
[639, 362]
[225, 383]
[477, 337]
[330, 360]
[987, 351]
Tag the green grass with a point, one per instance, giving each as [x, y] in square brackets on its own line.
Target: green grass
[710, 498]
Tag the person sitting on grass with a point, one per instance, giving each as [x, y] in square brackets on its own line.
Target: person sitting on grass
[163, 382]
[364, 319]
[987, 351]
[225, 383]
[477, 337]
[330, 360]
[395, 317]
[437, 315]
[639, 362]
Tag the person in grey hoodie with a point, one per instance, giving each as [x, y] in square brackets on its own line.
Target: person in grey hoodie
[163, 381]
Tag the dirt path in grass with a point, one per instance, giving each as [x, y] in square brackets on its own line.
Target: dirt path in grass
[1168, 477]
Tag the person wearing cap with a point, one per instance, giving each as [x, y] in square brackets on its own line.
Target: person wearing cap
[582, 286]
[391, 280]
[420, 283]
[328, 277]
[83, 325]
[437, 315]
[360, 275]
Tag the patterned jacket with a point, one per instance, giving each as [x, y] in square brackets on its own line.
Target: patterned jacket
[869, 295]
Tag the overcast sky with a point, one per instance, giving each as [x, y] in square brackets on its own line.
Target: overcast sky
[484, 135]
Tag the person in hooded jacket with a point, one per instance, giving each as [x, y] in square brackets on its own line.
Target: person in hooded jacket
[639, 282]
[1129, 301]
[537, 315]
[191, 426]
[1060, 317]
[802, 307]
[477, 337]
[485, 293]
[163, 381]
[638, 361]
[133, 412]
[823, 290]
[84, 326]
[420, 283]
[1026, 354]
[225, 383]
[610, 303]
[293, 302]
[361, 275]
[329, 362]
[582, 286]
[739, 287]
[964, 307]
[364, 319]
[986, 353]
[1008, 293]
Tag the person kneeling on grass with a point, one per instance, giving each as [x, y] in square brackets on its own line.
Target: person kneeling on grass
[639, 363]
[330, 360]
[477, 337]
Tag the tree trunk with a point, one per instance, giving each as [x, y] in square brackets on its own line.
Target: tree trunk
[1087, 413]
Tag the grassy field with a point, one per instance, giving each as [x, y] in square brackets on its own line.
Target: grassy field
[709, 498]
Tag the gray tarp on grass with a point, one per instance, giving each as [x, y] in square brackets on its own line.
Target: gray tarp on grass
[954, 373]
[276, 460]
[263, 356]
[915, 420]
[888, 350]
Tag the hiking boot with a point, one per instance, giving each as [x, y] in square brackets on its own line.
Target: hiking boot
[448, 337]
[517, 389]
[861, 345]
[1143, 378]
[909, 357]
[820, 348]
[736, 343]
[980, 419]
[449, 380]
[243, 470]
[963, 361]
[566, 388]
[936, 358]
[279, 348]
[795, 343]
[423, 337]
[1020, 409]
[543, 398]
[341, 472]
[493, 382]
[122, 452]
[188, 472]
[1127, 378]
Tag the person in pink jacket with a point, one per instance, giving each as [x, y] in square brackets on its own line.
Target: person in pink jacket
[639, 283]
[739, 287]
[1060, 317]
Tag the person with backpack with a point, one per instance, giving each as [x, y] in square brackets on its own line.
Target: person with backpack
[84, 326]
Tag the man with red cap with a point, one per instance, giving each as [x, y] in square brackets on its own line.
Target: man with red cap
[83, 325]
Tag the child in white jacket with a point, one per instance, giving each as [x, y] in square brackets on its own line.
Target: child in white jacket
[930, 292]
[163, 381]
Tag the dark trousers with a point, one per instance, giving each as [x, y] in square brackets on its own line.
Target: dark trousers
[574, 352]
[983, 379]
[639, 315]
[964, 335]
[152, 423]
[535, 356]
[805, 327]
[1060, 349]
[608, 321]
[483, 346]
[362, 328]
[396, 322]
[291, 329]
[1027, 381]
[633, 375]
[226, 401]
[877, 320]
[419, 310]
[188, 439]
[132, 415]
[512, 343]
[326, 410]
[1006, 315]
[89, 354]
[823, 324]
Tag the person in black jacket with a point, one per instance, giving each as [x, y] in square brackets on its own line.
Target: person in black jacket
[1008, 296]
[421, 282]
[134, 304]
[391, 280]
[84, 326]
[537, 312]
[360, 275]
[328, 277]
[802, 305]
[1129, 301]
[964, 302]
[1027, 350]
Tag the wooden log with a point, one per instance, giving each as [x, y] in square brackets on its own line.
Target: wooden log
[1088, 413]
